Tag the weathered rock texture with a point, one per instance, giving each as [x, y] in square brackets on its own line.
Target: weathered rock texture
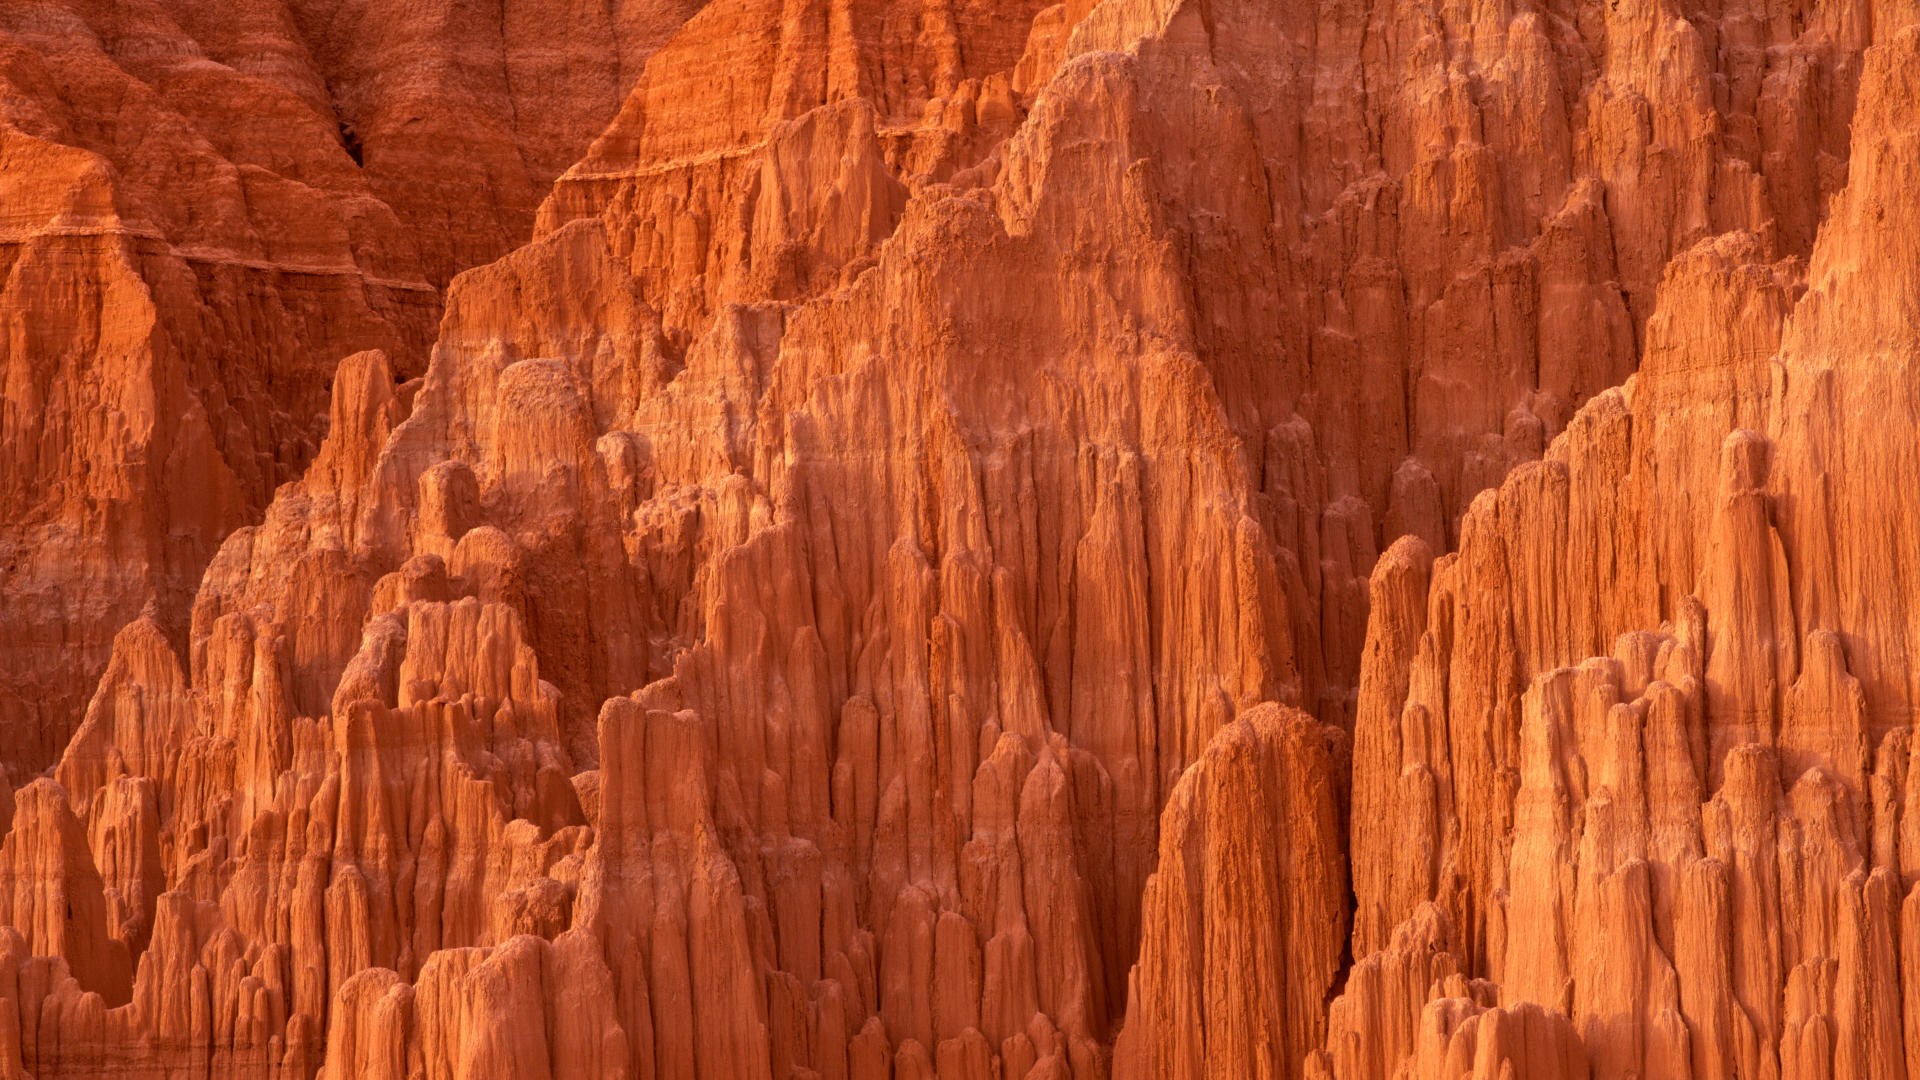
[1645, 736]
[204, 205]
[887, 581]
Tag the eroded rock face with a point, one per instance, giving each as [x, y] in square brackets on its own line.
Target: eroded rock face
[887, 581]
[1695, 845]
[1243, 934]
[204, 205]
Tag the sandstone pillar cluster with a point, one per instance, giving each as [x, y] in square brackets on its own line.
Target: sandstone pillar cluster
[959, 540]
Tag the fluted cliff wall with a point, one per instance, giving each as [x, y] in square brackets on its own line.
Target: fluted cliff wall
[960, 539]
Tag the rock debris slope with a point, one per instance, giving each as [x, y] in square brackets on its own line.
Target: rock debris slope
[976, 540]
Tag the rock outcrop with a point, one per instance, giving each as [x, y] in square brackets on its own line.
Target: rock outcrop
[203, 207]
[1243, 934]
[959, 540]
[1656, 751]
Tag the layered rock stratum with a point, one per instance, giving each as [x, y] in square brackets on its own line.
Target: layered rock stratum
[961, 540]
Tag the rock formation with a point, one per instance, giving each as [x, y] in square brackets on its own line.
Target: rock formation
[204, 205]
[965, 540]
[1694, 845]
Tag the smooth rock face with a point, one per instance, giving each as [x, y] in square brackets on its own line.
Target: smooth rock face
[938, 538]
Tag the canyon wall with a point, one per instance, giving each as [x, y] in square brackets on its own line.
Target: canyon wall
[204, 206]
[937, 538]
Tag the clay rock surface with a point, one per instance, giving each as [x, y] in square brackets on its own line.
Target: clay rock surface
[961, 540]
[203, 207]
[1657, 753]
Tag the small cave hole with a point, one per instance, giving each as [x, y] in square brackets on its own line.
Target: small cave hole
[350, 140]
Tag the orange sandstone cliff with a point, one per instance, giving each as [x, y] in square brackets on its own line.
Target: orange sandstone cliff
[204, 205]
[961, 540]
